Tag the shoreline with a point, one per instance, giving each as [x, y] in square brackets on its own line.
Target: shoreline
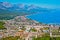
[41, 22]
[35, 20]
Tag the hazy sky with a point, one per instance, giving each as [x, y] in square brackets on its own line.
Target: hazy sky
[43, 3]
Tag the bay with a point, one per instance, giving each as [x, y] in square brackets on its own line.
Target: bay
[46, 17]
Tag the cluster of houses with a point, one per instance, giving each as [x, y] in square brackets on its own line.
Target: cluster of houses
[26, 29]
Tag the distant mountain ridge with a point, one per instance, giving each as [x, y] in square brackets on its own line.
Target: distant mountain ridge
[8, 10]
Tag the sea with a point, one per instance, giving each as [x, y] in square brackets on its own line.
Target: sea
[47, 18]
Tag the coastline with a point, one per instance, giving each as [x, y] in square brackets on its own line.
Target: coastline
[33, 15]
[26, 16]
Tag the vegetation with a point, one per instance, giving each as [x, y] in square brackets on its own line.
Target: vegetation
[55, 31]
[38, 38]
[7, 15]
[46, 28]
[11, 38]
[1, 25]
[47, 35]
[46, 38]
[33, 30]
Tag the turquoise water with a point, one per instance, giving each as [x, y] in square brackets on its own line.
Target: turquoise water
[46, 17]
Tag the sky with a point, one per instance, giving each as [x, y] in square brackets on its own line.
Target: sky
[42, 3]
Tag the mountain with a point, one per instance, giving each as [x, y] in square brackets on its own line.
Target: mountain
[9, 11]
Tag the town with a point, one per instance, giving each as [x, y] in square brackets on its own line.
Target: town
[26, 29]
